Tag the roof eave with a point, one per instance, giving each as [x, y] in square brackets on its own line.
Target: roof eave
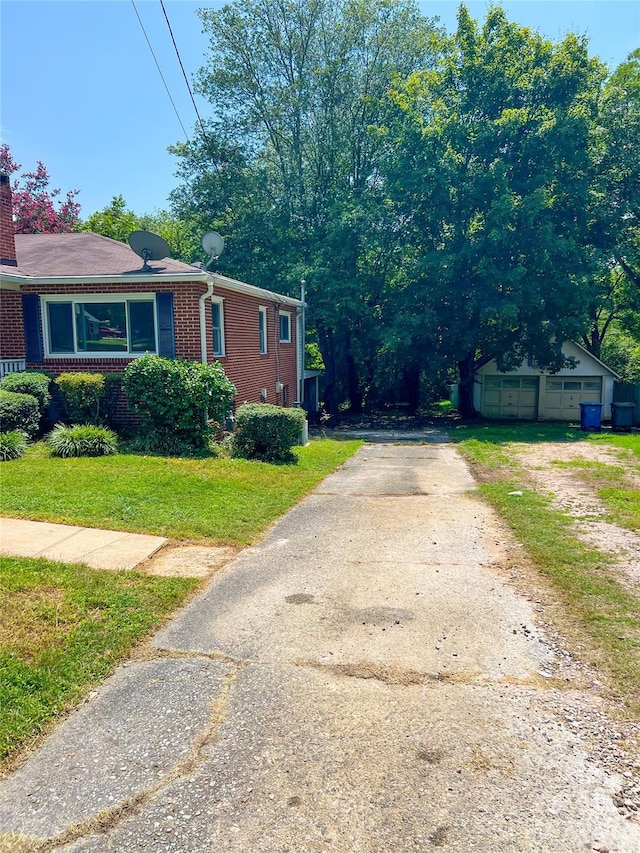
[121, 278]
[595, 358]
[252, 290]
[10, 281]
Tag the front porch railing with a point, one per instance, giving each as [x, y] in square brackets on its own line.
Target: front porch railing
[11, 365]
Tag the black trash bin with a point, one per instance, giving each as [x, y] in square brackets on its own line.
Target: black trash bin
[590, 417]
[622, 416]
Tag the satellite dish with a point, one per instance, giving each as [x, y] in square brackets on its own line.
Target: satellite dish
[213, 244]
[149, 246]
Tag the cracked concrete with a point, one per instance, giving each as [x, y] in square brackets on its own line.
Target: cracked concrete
[359, 681]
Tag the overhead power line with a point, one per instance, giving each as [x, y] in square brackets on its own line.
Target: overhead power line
[160, 70]
[186, 80]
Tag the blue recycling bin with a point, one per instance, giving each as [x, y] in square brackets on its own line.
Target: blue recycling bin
[591, 417]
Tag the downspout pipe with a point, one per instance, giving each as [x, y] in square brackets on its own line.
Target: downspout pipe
[302, 338]
[203, 320]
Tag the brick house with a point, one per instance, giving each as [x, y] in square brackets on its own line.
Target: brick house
[72, 302]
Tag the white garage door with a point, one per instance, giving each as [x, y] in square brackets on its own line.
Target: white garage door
[562, 397]
[515, 397]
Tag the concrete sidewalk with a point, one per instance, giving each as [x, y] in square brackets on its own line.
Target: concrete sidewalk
[364, 680]
[100, 549]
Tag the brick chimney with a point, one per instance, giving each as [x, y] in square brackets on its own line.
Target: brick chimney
[7, 233]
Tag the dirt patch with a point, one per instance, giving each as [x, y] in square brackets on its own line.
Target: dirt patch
[542, 465]
[386, 674]
[188, 561]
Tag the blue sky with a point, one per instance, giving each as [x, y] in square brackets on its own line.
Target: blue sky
[81, 92]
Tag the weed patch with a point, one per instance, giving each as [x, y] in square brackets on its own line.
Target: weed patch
[63, 628]
[608, 613]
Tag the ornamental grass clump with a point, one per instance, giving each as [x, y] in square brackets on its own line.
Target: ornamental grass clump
[12, 445]
[82, 440]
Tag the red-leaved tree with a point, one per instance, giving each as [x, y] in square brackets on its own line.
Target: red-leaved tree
[36, 210]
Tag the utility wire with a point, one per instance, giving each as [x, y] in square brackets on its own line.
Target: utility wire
[205, 135]
[160, 70]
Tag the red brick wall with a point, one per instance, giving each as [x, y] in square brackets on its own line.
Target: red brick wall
[244, 365]
[186, 320]
[11, 325]
[7, 238]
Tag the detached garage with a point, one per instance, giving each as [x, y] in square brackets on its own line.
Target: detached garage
[529, 393]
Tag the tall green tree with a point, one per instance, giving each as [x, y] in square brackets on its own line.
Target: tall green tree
[617, 228]
[117, 221]
[487, 163]
[615, 216]
[289, 164]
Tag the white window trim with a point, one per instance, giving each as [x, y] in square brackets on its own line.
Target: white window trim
[288, 315]
[219, 300]
[88, 298]
[262, 314]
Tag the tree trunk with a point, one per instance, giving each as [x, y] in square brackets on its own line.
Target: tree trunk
[411, 387]
[353, 379]
[466, 405]
[327, 348]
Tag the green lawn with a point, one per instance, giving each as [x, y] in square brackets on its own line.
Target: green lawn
[63, 629]
[219, 501]
[600, 613]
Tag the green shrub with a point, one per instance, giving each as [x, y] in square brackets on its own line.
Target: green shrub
[36, 384]
[82, 394]
[267, 432]
[19, 411]
[12, 445]
[82, 440]
[180, 401]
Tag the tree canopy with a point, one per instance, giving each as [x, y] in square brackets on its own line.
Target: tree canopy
[447, 199]
[36, 207]
[486, 157]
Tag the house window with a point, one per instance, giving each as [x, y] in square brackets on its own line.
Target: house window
[285, 327]
[262, 325]
[217, 314]
[101, 325]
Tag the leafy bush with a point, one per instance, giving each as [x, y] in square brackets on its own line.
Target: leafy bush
[267, 432]
[12, 445]
[179, 401]
[19, 411]
[36, 384]
[82, 394]
[82, 440]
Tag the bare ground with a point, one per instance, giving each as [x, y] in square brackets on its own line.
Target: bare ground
[576, 497]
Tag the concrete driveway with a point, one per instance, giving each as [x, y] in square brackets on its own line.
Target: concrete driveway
[364, 681]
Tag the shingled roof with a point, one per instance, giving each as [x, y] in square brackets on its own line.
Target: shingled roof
[76, 255]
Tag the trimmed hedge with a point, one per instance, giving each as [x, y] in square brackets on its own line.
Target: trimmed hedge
[82, 395]
[25, 382]
[19, 411]
[267, 432]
